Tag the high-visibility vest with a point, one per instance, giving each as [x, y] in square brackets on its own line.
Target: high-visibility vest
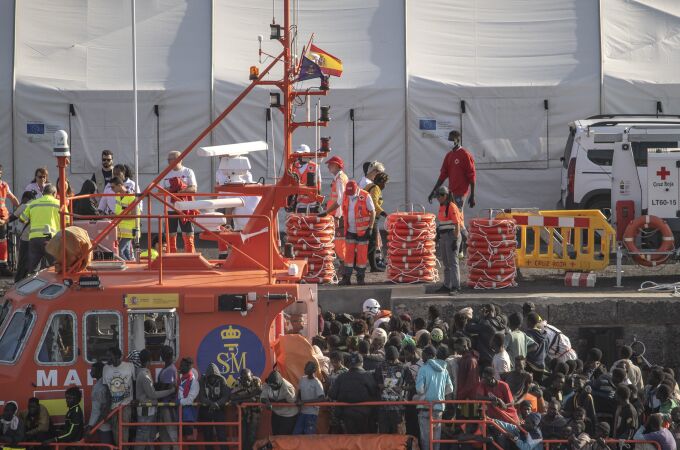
[43, 216]
[303, 170]
[448, 219]
[339, 182]
[362, 216]
[126, 226]
[145, 254]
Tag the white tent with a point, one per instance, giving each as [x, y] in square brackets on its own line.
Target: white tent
[510, 75]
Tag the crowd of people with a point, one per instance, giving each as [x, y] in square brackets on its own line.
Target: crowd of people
[533, 385]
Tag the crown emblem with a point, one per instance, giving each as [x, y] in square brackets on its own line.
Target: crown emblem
[228, 335]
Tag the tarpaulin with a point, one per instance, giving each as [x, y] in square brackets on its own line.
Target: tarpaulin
[77, 246]
[293, 351]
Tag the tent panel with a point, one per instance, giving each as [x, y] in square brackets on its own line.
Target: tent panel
[6, 81]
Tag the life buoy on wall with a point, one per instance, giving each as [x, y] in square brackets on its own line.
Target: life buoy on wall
[635, 227]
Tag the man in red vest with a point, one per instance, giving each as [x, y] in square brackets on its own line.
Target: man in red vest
[358, 213]
[5, 193]
[338, 184]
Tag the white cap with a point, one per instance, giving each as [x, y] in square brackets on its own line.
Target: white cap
[371, 306]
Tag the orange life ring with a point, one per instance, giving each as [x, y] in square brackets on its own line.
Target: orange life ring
[490, 237]
[412, 259]
[479, 263]
[667, 243]
[319, 280]
[310, 253]
[410, 252]
[411, 279]
[307, 232]
[490, 284]
[411, 245]
[492, 245]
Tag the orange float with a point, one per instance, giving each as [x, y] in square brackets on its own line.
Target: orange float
[636, 227]
[411, 249]
[312, 238]
[491, 253]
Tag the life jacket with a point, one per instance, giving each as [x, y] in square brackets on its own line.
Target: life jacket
[177, 184]
[4, 189]
[341, 178]
[303, 171]
[448, 216]
[126, 226]
[362, 215]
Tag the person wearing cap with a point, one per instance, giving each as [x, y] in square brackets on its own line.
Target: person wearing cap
[310, 175]
[436, 336]
[448, 231]
[376, 189]
[355, 386]
[338, 183]
[358, 213]
[459, 167]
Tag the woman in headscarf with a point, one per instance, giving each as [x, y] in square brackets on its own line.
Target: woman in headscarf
[86, 206]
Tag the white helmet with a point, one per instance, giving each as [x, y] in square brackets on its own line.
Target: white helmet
[302, 148]
[371, 307]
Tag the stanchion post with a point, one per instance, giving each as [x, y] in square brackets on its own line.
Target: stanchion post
[619, 266]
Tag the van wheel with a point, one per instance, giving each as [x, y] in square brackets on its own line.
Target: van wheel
[603, 203]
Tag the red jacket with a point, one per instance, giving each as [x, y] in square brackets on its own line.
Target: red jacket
[459, 167]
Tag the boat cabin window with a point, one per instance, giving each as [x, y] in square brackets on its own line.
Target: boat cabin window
[16, 333]
[4, 310]
[102, 331]
[58, 342]
[152, 329]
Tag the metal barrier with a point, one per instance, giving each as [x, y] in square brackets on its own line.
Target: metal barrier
[483, 423]
[580, 240]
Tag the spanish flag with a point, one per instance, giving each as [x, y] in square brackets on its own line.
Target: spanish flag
[329, 64]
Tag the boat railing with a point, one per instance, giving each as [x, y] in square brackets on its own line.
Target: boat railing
[479, 423]
[162, 229]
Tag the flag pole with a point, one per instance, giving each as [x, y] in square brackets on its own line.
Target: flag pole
[134, 89]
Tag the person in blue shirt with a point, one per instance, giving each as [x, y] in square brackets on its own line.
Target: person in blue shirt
[433, 384]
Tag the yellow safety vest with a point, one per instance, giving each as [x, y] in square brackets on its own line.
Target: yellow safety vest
[126, 226]
[43, 216]
[145, 254]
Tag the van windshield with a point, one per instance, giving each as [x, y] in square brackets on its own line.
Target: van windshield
[15, 334]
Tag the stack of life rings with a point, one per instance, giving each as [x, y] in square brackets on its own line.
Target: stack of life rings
[491, 248]
[640, 226]
[312, 238]
[411, 256]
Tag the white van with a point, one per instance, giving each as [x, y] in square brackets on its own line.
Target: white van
[587, 160]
